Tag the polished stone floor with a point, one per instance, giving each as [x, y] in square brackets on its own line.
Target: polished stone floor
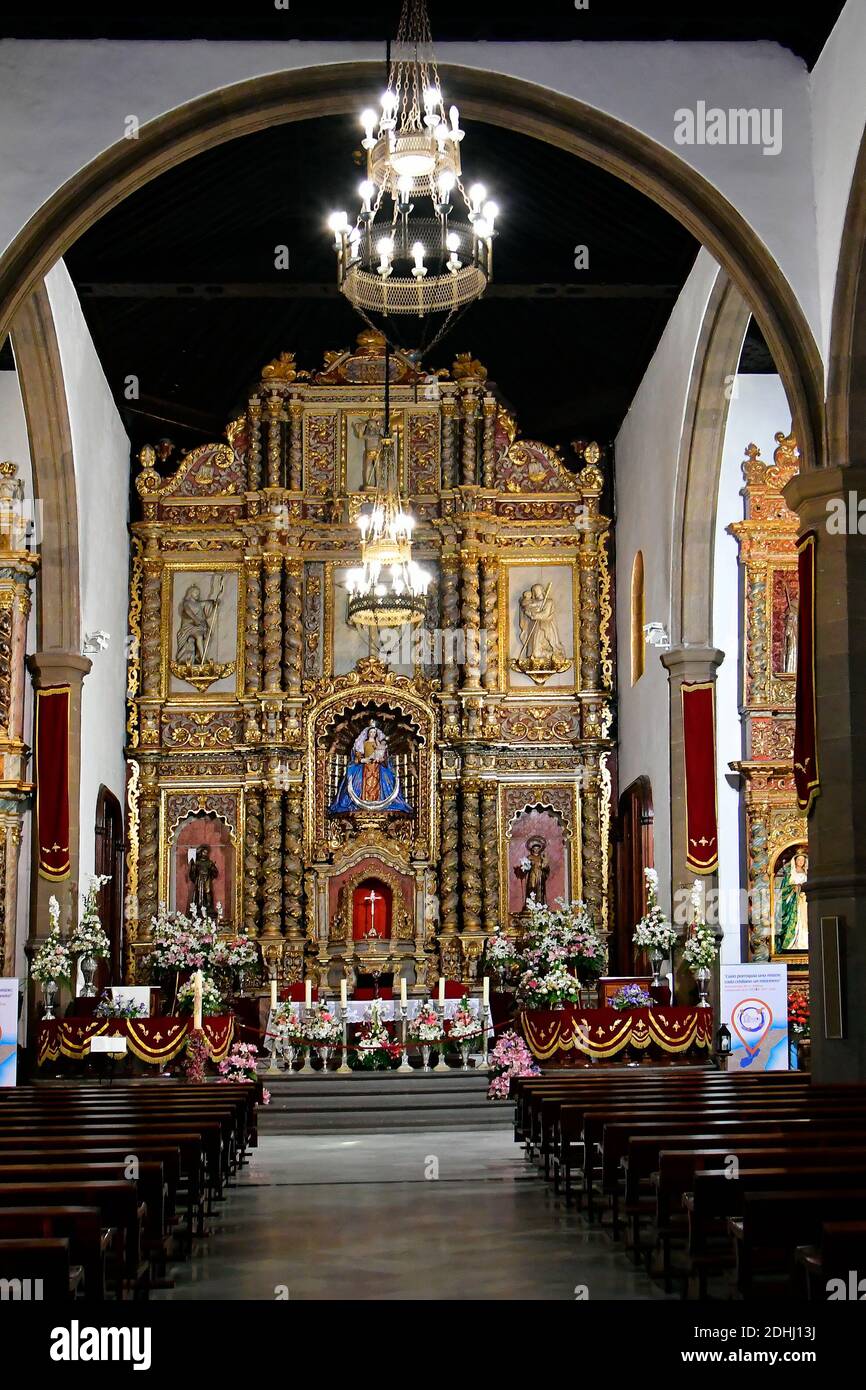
[422, 1215]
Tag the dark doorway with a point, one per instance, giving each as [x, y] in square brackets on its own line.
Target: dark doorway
[109, 860]
[634, 853]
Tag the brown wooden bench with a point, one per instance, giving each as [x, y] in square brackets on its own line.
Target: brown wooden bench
[839, 1258]
[39, 1270]
[774, 1224]
[89, 1241]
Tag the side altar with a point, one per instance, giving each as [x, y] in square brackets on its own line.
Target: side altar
[368, 803]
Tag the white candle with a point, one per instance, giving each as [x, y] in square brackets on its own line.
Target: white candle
[403, 991]
[485, 991]
[274, 993]
[308, 993]
[344, 994]
[441, 989]
[197, 1000]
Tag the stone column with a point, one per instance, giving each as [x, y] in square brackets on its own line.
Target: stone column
[272, 638]
[488, 446]
[275, 415]
[252, 860]
[272, 898]
[253, 621]
[469, 451]
[471, 616]
[293, 626]
[449, 442]
[254, 455]
[470, 858]
[837, 825]
[490, 855]
[296, 445]
[490, 620]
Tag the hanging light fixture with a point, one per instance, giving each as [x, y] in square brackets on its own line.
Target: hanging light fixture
[407, 252]
[388, 589]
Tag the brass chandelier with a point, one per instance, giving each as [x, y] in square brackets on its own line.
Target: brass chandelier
[407, 252]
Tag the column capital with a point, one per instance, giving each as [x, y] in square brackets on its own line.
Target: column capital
[687, 663]
[58, 668]
[808, 493]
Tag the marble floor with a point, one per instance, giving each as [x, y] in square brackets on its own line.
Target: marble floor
[420, 1215]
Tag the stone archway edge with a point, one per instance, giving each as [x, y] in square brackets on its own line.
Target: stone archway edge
[515, 104]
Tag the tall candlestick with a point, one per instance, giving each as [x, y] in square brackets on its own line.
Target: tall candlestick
[485, 991]
[197, 1001]
[441, 989]
[308, 993]
[403, 991]
[344, 994]
[274, 993]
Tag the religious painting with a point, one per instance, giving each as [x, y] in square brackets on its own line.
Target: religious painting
[539, 608]
[363, 434]
[202, 866]
[370, 781]
[537, 860]
[201, 627]
[785, 600]
[788, 904]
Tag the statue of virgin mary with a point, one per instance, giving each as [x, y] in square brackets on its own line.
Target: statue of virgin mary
[369, 782]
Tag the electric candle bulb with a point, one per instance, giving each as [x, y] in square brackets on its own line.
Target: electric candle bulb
[368, 121]
[367, 191]
[338, 222]
[418, 253]
[491, 212]
[404, 188]
[482, 228]
[477, 194]
[452, 241]
[445, 182]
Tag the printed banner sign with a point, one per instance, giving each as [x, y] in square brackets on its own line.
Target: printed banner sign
[8, 1032]
[754, 1007]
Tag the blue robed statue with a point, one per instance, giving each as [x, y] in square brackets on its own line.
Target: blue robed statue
[369, 783]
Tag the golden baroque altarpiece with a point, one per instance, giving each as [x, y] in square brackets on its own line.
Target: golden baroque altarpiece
[248, 688]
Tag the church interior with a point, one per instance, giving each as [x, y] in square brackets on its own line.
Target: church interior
[431, 456]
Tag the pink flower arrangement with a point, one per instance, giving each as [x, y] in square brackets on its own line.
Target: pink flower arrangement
[240, 1064]
[510, 1057]
[196, 1056]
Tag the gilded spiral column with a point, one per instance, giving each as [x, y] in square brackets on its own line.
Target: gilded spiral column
[293, 627]
[275, 415]
[471, 615]
[151, 606]
[450, 620]
[272, 636]
[591, 848]
[252, 860]
[253, 624]
[148, 852]
[490, 856]
[449, 864]
[449, 442]
[488, 442]
[470, 857]
[490, 619]
[469, 453]
[293, 865]
[590, 630]
[272, 898]
[296, 445]
[254, 453]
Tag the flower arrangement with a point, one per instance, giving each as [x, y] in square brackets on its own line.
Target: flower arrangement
[540, 989]
[183, 941]
[425, 1026]
[500, 955]
[510, 1057]
[320, 1026]
[240, 1063]
[631, 997]
[463, 1023]
[799, 1013]
[52, 962]
[236, 954]
[119, 1008]
[374, 1049]
[89, 938]
[700, 950]
[211, 998]
[654, 932]
[196, 1057]
[561, 950]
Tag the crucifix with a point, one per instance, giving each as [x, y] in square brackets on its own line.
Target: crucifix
[373, 898]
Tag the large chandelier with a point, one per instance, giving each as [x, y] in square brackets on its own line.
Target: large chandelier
[406, 252]
[388, 589]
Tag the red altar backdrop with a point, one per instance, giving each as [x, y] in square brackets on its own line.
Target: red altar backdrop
[372, 906]
[601, 1033]
[156, 1040]
[51, 762]
[806, 778]
[699, 748]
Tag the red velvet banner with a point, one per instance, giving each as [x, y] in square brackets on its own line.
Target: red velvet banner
[699, 745]
[51, 762]
[806, 777]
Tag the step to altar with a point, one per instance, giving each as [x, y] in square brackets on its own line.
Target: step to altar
[368, 1102]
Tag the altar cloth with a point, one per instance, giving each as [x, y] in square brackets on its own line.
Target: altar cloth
[156, 1040]
[602, 1033]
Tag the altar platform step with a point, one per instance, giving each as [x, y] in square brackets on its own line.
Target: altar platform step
[368, 1102]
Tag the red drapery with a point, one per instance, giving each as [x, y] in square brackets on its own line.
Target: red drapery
[156, 1040]
[52, 780]
[602, 1033]
[699, 746]
[371, 914]
[806, 777]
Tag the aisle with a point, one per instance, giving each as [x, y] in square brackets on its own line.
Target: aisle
[342, 1217]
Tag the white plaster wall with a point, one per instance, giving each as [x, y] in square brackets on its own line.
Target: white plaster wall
[15, 445]
[101, 451]
[647, 449]
[757, 410]
[63, 103]
[838, 118]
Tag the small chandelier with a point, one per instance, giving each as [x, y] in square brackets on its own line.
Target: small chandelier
[388, 589]
[392, 261]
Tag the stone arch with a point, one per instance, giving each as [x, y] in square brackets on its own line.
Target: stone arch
[504, 101]
[846, 376]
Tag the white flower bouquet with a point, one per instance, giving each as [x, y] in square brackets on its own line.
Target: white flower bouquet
[425, 1026]
[211, 999]
[654, 932]
[464, 1022]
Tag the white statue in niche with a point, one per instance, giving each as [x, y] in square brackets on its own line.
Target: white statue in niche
[541, 653]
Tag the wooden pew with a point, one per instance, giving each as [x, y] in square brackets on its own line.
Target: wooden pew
[839, 1256]
[45, 1260]
[89, 1241]
[119, 1207]
[774, 1224]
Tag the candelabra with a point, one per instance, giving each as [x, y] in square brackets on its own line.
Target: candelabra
[404, 1033]
[344, 1069]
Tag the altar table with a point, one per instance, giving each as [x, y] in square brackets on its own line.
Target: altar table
[155, 1040]
[603, 1033]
